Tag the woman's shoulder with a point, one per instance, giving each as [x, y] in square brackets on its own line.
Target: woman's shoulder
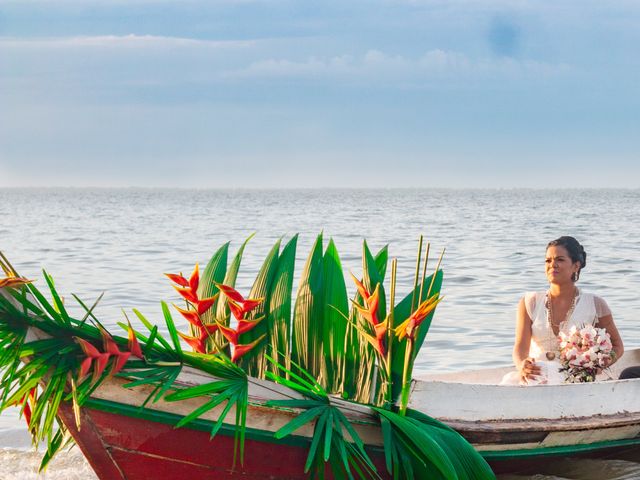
[531, 300]
[602, 308]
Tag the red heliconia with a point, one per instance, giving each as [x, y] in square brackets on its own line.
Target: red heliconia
[241, 350]
[92, 353]
[199, 343]
[110, 347]
[238, 305]
[232, 335]
[27, 401]
[188, 289]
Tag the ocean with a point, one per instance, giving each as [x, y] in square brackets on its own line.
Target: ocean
[121, 241]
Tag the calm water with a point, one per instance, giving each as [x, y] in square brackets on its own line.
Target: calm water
[121, 241]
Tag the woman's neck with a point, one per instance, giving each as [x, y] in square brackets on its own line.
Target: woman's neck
[562, 290]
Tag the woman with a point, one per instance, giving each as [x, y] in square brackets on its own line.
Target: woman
[542, 315]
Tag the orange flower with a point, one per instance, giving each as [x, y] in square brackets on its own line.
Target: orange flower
[409, 327]
[12, 281]
[370, 313]
[134, 346]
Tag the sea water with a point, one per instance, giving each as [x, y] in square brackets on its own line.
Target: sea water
[120, 241]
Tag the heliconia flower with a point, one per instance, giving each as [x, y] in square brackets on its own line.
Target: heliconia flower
[111, 347]
[85, 366]
[88, 349]
[187, 294]
[134, 346]
[206, 303]
[12, 281]
[238, 305]
[179, 279]
[199, 344]
[231, 293]
[370, 313]
[188, 289]
[194, 279]
[243, 326]
[92, 353]
[240, 350]
[27, 400]
[409, 327]
[192, 316]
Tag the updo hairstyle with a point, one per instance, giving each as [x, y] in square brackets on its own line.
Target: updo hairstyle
[575, 250]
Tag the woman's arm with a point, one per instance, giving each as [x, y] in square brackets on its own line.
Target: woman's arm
[525, 364]
[609, 325]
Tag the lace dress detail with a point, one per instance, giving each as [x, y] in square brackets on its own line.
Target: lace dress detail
[588, 310]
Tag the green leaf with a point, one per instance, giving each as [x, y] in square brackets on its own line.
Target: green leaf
[150, 327]
[56, 298]
[301, 420]
[308, 314]
[214, 402]
[213, 273]
[427, 448]
[204, 389]
[222, 312]
[328, 434]
[253, 362]
[279, 314]
[336, 311]
[171, 327]
[315, 441]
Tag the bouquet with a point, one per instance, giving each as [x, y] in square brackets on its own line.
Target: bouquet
[584, 352]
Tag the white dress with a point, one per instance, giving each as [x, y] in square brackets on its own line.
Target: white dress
[588, 310]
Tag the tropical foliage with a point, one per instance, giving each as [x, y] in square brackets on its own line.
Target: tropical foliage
[320, 343]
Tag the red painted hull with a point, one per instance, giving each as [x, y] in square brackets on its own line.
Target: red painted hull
[121, 447]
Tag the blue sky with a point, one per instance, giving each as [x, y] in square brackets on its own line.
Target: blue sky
[242, 93]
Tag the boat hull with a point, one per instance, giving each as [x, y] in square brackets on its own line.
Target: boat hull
[135, 448]
[121, 440]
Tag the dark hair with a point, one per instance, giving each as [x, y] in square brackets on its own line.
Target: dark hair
[575, 250]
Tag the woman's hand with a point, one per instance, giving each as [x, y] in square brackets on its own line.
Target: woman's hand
[528, 369]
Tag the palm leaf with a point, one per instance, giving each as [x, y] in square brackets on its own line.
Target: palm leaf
[254, 362]
[306, 348]
[279, 313]
[334, 325]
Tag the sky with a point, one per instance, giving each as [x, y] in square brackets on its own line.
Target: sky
[289, 94]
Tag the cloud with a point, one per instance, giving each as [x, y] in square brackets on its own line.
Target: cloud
[377, 65]
[119, 41]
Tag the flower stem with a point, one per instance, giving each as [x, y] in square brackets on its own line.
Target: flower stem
[406, 376]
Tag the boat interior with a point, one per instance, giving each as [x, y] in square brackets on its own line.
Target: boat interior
[493, 376]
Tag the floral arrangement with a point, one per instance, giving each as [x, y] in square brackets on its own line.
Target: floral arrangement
[321, 342]
[584, 352]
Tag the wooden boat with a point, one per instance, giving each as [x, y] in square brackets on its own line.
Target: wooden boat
[124, 436]
[507, 424]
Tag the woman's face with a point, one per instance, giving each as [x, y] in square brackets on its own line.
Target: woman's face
[558, 265]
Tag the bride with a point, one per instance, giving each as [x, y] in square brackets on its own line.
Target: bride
[543, 315]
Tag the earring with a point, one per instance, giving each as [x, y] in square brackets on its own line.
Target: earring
[574, 276]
